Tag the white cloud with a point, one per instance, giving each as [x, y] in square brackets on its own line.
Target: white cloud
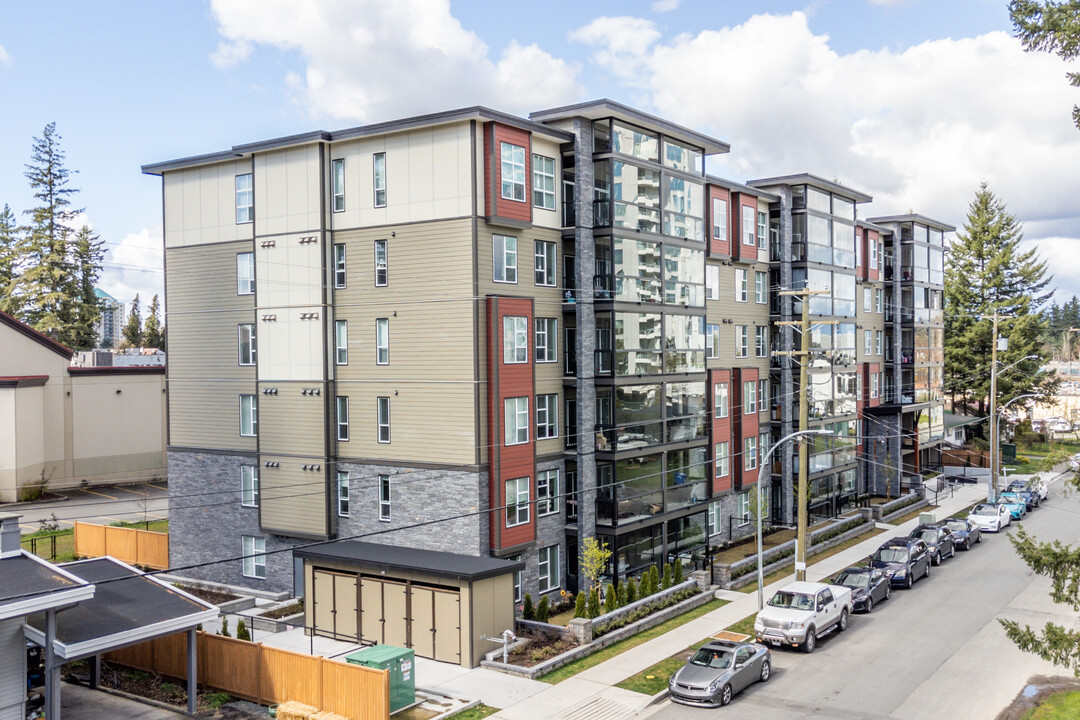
[1062, 255]
[228, 54]
[917, 128]
[134, 266]
[663, 6]
[369, 60]
[5, 59]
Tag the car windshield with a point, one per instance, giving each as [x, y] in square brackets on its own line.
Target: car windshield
[891, 555]
[957, 526]
[985, 509]
[1009, 497]
[712, 658]
[859, 580]
[798, 601]
[929, 536]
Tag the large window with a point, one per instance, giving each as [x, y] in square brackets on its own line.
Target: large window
[713, 517]
[342, 493]
[382, 264]
[548, 568]
[762, 230]
[249, 416]
[867, 299]
[723, 459]
[712, 342]
[339, 265]
[382, 341]
[742, 341]
[247, 343]
[544, 267]
[720, 399]
[763, 395]
[384, 498]
[546, 340]
[712, 282]
[341, 342]
[543, 188]
[740, 285]
[517, 501]
[337, 183]
[245, 199]
[342, 418]
[547, 492]
[245, 273]
[379, 168]
[249, 486]
[719, 219]
[254, 552]
[515, 339]
[750, 453]
[749, 218]
[761, 287]
[516, 420]
[742, 507]
[749, 397]
[513, 171]
[761, 341]
[547, 416]
[504, 258]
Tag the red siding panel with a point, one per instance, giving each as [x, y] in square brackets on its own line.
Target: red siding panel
[495, 206]
[720, 430]
[872, 273]
[717, 246]
[743, 426]
[738, 250]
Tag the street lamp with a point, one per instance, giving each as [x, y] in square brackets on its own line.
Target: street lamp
[994, 439]
[997, 432]
[761, 480]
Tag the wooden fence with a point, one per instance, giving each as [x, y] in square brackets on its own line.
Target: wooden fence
[266, 675]
[134, 546]
[966, 458]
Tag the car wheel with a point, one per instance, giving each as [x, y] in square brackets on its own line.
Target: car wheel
[766, 671]
[810, 644]
[978, 539]
[888, 591]
[842, 625]
[927, 573]
[725, 695]
[952, 551]
[869, 605]
[910, 582]
[936, 560]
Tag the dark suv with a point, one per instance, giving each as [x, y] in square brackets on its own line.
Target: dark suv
[903, 560]
[938, 538]
[1031, 496]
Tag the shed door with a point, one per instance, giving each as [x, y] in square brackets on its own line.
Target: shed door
[345, 610]
[448, 626]
[395, 625]
[335, 608]
[422, 621]
[371, 610]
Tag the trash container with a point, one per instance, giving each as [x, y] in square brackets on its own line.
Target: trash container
[402, 666]
[1008, 451]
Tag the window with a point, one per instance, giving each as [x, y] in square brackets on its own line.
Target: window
[337, 183]
[873, 385]
[763, 395]
[719, 219]
[381, 263]
[761, 341]
[714, 514]
[249, 486]
[245, 273]
[712, 342]
[384, 498]
[762, 229]
[249, 416]
[873, 255]
[342, 418]
[517, 578]
[723, 459]
[544, 268]
[546, 341]
[342, 493]
[384, 419]
[516, 420]
[254, 552]
[341, 342]
[513, 171]
[245, 199]
[517, 502]
[879, 296]
[720, 399]
[868, 342]
[547, 416]
[247, 343]
[749, 215]
[379, 163]
[548, 568]
[749, 388]
[515, 339]
[742, 341]
[750, 453]
[879, 342]
[740, 285]
[712, 282]
[547, 492]
[763, 446]
[761, 287]
[504, 258]
[339, 265]
[382, 341]
[543, 188]
[867, 299]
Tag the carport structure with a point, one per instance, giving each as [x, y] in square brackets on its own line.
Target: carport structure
[128, 607]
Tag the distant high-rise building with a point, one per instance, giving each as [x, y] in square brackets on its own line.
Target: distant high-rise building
[110, 325]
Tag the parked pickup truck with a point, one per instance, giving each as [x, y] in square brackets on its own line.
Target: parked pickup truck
[803, 612]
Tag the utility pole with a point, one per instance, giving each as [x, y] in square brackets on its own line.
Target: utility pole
[993, 490]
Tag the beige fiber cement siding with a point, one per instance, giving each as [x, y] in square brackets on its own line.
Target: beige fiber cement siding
[287, 190]
[200, 205]
[290, 421]
[292, 501]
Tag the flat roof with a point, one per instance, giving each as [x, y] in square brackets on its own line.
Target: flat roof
[602, 108]
[740, 187]
[29, 584]
[815, 181]
[914, 217]
[395, 557]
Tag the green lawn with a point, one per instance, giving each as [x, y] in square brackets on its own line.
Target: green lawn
[1059, 706]
[41, 544]
[476, 712]
[571, 669]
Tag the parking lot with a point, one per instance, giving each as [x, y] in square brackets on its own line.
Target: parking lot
[103, 505]
[936, 651]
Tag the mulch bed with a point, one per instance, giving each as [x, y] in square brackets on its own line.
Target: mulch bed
[285, 611]
[214, 597]
[537, 650]
[170, 691]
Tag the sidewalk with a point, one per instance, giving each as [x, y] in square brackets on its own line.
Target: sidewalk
[592, 693]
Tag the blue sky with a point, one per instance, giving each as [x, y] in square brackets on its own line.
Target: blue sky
[914, 101]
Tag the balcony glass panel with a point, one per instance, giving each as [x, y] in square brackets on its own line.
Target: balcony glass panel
[683, 157]
[629, 140]
[684, 343]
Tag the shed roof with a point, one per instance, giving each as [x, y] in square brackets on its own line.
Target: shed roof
[29, 584]
[394, 557]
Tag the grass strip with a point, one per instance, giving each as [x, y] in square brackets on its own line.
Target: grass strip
[476, 712]
[1058, 706]
[813, 560]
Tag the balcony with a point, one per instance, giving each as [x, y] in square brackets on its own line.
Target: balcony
[614, 506]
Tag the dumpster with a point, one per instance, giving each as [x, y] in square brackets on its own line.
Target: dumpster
[402, 666]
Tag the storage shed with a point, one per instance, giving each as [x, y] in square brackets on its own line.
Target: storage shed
[437, 603]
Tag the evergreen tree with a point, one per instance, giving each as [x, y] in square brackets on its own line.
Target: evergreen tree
[611, 599]
[88, 251]
[668, 578]
[678, 571]
[579, 605]
[543, 609]
[43, 293]
[9, 250]
[133, 331]
[528, 612]
[1050, 26]
[594, 604]
[988, 272]
[152, 337]
[631, 591]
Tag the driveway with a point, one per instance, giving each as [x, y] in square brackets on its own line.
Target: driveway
[103, 505]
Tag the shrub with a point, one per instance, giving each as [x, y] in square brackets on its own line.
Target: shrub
[224, 627]
[631, 591]
[579, 605]
[242, 631]
[527, 610]
[643, 612]
[654, 579]
[594, 604]
[610, 599]
[217, 699]
[668, 579]
[542, 610]
[678, 571]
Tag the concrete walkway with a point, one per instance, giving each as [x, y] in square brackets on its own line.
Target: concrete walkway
[82, 703]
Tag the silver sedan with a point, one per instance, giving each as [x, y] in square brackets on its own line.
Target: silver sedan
[717, 671]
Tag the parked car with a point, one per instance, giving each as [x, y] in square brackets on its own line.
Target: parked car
[868, 587]
[802, 612]
[717, 671]
[1017, 505]
[990, 516]
[1026, 491]
[1041, 487]
[903, 560]
[965, 532]
[1059, 426]
[938, 538]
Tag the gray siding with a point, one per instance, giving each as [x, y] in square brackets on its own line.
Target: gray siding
[294, 500]
[12, 670]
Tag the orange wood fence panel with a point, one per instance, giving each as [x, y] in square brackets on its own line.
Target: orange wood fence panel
[134, 546]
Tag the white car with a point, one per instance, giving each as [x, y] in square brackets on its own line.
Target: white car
[990, 517]
[1060, 426]
[802, 612]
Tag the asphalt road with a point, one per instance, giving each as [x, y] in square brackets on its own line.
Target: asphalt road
[936, 651]
[102, 505]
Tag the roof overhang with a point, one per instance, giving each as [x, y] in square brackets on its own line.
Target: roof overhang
[914, 217]
[814, 181]
[740, 187]
[48, 599]
[18, 381]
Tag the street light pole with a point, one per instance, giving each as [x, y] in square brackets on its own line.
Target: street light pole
[997, 424]
[760, 482]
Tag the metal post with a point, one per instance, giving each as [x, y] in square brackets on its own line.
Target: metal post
[804, 451]
[192, 672]
[52, 669]
[95, 671]
[993, 413]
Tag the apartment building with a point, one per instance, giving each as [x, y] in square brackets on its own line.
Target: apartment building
[109, 328]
